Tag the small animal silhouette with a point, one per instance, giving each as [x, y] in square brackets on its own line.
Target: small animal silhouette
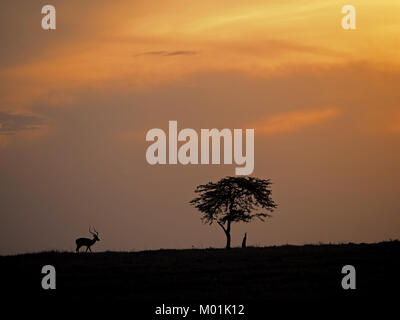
[86, 242]
[244, 240]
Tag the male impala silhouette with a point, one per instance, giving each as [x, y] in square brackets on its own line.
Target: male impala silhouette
[86, 242]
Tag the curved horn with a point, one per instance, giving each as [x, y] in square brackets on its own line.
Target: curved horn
[90, 231]
[95, 231]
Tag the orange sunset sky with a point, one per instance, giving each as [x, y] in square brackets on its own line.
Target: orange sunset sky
[76, 103]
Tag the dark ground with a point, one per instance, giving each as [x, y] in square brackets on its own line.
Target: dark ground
[270, 274]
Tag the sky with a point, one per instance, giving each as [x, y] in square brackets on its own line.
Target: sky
[76, 103]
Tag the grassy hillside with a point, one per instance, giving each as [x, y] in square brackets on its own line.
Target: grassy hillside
[199, 275]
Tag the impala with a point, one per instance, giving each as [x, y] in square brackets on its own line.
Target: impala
[86, 242]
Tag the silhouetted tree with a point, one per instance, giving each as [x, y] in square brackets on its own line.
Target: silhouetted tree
[233, 199]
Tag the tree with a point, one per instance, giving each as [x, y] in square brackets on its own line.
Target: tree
[233, 199]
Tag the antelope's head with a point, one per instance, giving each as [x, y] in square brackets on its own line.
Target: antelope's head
[95, 234]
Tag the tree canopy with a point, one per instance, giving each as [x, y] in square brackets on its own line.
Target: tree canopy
[234, 199]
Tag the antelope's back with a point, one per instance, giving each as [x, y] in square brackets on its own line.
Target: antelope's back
[81, 240]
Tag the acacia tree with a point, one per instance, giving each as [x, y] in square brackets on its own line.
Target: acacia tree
[233, 199]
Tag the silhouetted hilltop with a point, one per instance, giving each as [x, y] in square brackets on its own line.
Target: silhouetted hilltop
[209, 275]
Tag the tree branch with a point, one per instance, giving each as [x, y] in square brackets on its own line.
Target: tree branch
[222, 226]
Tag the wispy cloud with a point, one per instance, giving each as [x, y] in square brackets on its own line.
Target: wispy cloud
[295, 120]
[168, 53]
[12, 123]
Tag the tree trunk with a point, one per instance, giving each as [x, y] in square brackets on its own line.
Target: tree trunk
[228, 235]
[228, 240]
[227, 232]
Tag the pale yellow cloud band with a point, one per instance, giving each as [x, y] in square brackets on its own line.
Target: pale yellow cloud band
[294, 120]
